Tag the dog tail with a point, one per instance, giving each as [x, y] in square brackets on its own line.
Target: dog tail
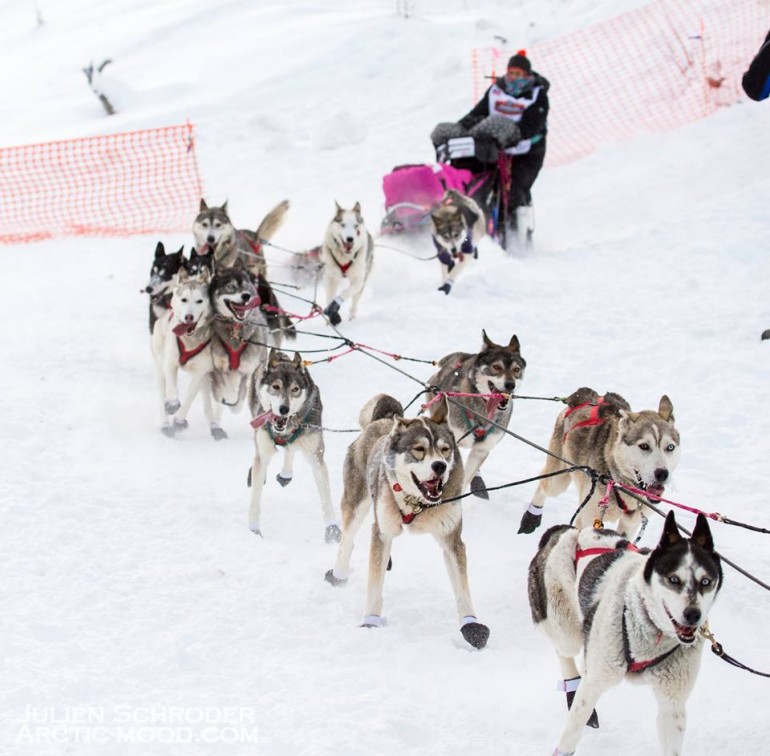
[272, 221]
[379, 407]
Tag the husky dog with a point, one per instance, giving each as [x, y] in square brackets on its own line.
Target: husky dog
[457, 224]
[197, 263]
[162, 279]
[215, 233]
[347, 253]
[494, 370]
[633, 614]
[405, 468]
[638, 449]
[240, 331]
[185, 342]
[286, 407]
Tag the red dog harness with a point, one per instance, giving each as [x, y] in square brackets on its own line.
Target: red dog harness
[593, 417]
[185, 355]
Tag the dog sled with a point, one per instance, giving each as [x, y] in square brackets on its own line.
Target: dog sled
[474, 163]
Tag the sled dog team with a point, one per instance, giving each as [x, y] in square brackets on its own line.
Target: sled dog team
[628, 613]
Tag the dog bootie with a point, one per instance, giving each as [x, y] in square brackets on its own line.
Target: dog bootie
[446, 288]
[569, 687]
[479, 487]
[331, 579]
[332, 534]
[474, 632]
[531, 519]
[284, 480]
[333, 312]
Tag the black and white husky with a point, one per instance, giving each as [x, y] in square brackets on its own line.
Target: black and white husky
[457, 224]
[405, 468]
[347, 254]
[287, 411]
[162, 280]
[634, 615]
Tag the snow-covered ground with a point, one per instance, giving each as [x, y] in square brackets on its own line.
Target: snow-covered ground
[131, 585]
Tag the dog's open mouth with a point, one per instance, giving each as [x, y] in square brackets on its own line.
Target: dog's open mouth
[494, 403]
[279, 422]
[430, 489]
[240, 311]
[685, 633]
[654, 489]
[184, 329]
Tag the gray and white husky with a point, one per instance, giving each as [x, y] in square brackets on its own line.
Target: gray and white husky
[405, 469]
[182, 339]
[239, 347]
[347, 254]
[215, 234]
[634, 615]
[287, 411]
[457, 224]
[496, 369]
[638, 449]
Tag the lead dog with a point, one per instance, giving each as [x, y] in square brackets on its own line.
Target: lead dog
[457, 224]
[636, 449]
[405, 468]
[476, 422]
[287, 411]
[347, 254]
[634, 615]
[162, 279]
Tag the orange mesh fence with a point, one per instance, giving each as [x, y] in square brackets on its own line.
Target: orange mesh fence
[115, 185]
[652, 69]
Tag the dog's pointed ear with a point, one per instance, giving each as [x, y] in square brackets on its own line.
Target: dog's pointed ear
[204, 276]
[297, 362]
[337, 207]
[440, 410]
[468, 214]
[666, 409]
[224, 206]
[272, 358]
[203, 206]
[702, 533]
[180, 251]
[671, 534]
[488, 343]
[183, 276]
[357, 208]
[160, 250]
[400, 423]
[513, 344]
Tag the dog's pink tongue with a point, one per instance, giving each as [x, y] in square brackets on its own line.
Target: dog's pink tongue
[183, 329]
[491, 404]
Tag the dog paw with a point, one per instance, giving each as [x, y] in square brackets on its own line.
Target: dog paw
[333, 313]
[373, 620]
[479, 488]
[332, 534]
[335, 581]
[180, 425]
[446, 288]
[219, 434]
[530, 523]
[282, 480]
[168, 431]
[765, 334]
[170, 406]
[475, 633]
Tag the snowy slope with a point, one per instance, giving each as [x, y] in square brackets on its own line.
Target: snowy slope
[130, 580]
